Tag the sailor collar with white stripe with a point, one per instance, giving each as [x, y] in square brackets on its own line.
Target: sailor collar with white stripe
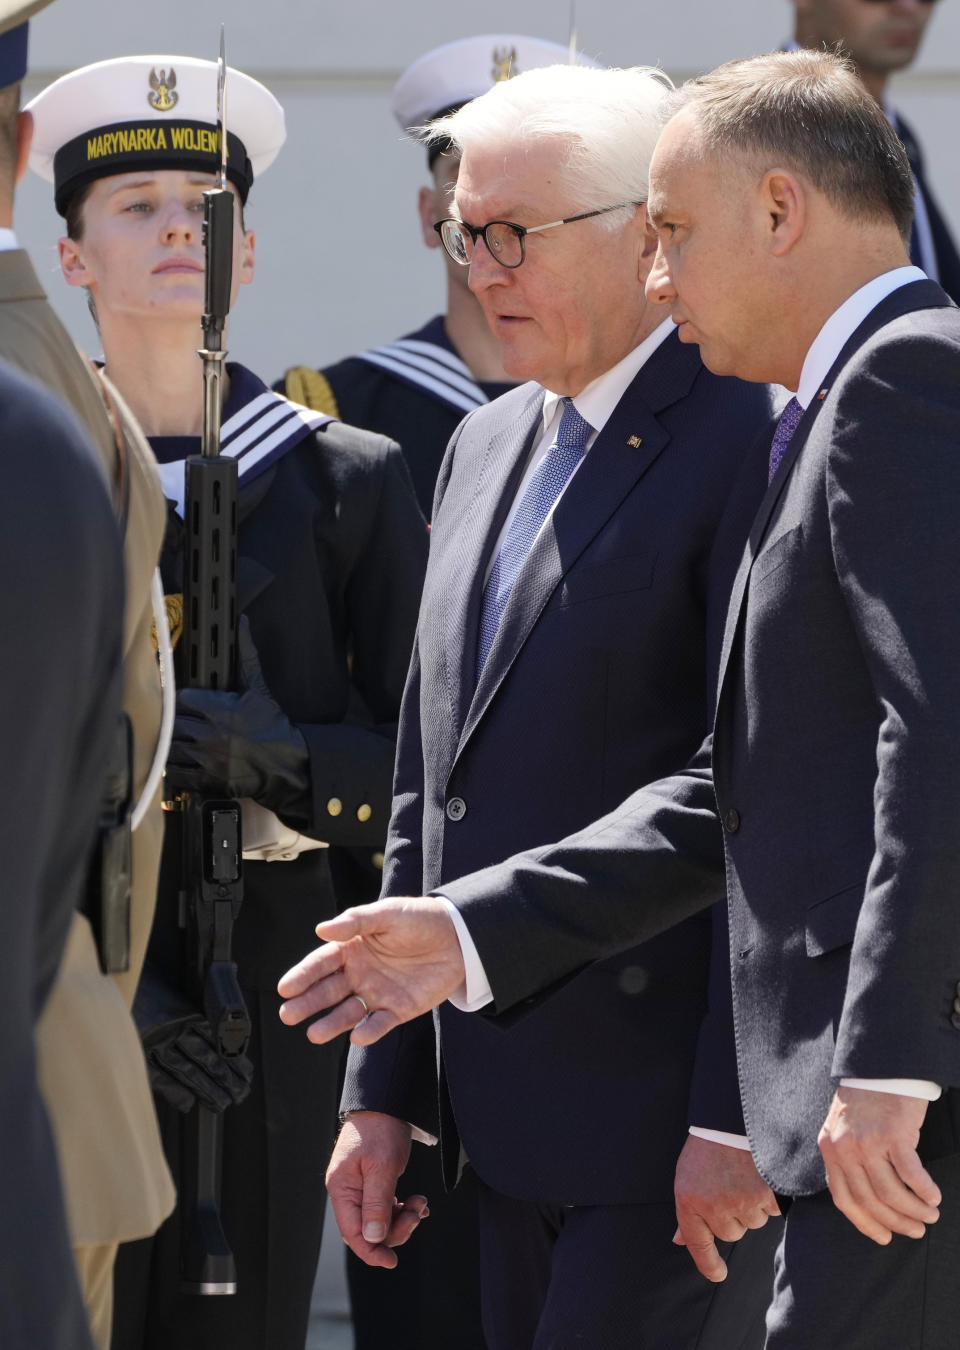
[426, 360]
[258, 427]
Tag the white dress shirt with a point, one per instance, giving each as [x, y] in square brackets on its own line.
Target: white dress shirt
[8, 240]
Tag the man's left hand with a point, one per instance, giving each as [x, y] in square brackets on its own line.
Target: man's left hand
[382, 964]
[869, 1145]
[719, 1194]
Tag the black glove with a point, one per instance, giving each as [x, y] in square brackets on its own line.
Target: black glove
[240, 744]
[183, 1061]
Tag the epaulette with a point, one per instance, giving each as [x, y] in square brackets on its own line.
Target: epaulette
[312, 389]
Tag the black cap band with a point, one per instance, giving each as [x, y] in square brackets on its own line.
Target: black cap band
[440, 145]
[127, 146]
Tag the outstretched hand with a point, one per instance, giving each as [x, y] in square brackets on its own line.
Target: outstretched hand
[382, 964]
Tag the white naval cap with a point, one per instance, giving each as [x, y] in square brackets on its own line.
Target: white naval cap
[151, 112]
[457, 72]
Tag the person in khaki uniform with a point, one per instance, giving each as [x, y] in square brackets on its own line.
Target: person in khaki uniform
[92, 1070]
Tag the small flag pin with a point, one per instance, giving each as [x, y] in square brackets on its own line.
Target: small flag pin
[634, 442]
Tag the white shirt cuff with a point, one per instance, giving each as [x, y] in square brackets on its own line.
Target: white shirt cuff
[475, 992]
[421, 1136]
[721, 1137]
[900, 1087]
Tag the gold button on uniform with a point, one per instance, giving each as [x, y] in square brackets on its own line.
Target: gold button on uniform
[364, 812]
[377, 860]
[334, 806]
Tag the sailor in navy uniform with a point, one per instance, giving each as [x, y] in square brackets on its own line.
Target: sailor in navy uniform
[419, 388]
[331, 552]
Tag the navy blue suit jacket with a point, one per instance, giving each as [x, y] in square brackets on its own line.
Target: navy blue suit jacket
[833, 774]
[597, 679]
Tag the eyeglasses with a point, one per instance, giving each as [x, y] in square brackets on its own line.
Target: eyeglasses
[503, 238]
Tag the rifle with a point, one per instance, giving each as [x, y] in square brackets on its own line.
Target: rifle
[212, 884]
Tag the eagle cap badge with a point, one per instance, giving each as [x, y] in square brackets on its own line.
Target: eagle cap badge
[504, 64]
[163, 87]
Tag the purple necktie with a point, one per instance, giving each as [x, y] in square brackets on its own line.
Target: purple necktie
[789, 421]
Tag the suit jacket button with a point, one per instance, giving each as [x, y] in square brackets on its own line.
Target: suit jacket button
[334, 806]
[456, 808]
[731, 820]
[364, 812]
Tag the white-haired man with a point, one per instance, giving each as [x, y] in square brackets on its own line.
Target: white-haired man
[587, 528]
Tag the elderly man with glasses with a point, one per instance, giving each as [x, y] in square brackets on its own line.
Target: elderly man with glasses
[882, 37]
[587, 528]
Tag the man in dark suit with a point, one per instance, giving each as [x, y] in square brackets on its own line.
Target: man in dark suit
[60, 613]
[525, 717]
[882, 38]
[783, 203]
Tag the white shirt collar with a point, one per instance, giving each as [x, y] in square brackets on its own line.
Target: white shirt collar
[831, 339]
[597, 400]
[8, 240]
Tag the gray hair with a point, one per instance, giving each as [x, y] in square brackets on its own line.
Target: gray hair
[807, 111]
[604, 123]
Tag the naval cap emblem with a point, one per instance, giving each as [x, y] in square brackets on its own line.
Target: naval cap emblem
[504, 64]
[163, 95]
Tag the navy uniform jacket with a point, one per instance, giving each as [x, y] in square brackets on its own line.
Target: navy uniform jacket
[331, 552]
[831, 806]
[61, 608]
[416, 391]
[598, 674]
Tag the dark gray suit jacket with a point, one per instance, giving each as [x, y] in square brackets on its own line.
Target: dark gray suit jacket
[598, 677]
[835, 770]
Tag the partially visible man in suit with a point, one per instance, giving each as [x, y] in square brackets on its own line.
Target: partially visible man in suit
[783, 202]
[90, 1058]
[60, 613]
[882, 37]
[586, 533]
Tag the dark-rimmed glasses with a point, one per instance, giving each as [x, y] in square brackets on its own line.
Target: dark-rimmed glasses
[503, 238]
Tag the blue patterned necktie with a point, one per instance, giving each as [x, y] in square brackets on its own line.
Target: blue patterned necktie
[789, 421]
[543, 489]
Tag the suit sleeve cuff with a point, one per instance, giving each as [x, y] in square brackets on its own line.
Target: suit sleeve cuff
[475, 992]
[721, 1137]
[900, 1087]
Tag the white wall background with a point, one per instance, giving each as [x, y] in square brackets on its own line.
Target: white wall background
[340, 263]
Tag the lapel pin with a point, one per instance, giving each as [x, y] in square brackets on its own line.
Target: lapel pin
[822, 394]
[634, 442]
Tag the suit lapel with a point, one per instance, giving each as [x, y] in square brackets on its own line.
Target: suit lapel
[915, 295]
[629, 443]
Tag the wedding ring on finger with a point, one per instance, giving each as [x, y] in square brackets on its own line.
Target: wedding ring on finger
[363, 1005]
